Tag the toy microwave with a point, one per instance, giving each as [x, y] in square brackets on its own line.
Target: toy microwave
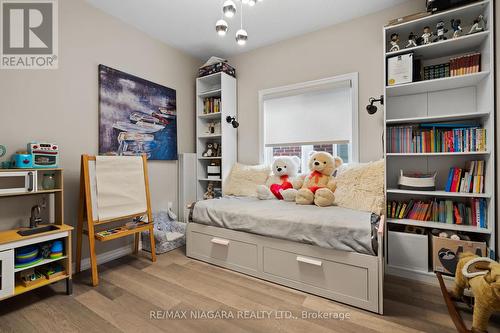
[44, 155]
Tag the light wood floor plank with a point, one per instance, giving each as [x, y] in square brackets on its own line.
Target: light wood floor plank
[132, 287]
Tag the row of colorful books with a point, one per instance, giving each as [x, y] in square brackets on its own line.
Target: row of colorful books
[436, 138]
[436, 71]
[469, 180]
[211, 105]
[467, 64]
[473, 212]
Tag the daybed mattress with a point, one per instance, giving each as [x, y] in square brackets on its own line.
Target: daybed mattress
[329, 227]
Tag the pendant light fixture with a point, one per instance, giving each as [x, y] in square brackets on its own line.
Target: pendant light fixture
[221, 27]
[241, 35]
[229, 8]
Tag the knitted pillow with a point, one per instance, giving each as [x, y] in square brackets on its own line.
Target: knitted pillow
[244, 179]
[361, 187]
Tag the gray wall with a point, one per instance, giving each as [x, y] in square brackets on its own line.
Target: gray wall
[62, 105]
[353, 46]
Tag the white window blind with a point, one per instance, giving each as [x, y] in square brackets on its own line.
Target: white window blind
[321, 114]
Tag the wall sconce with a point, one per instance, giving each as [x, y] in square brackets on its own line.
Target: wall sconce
[232, 121]
[372, 109]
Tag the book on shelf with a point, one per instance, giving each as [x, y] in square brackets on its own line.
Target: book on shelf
[467, 64]
[467, 180]
[211, 105]
[472, 212]
[436, 138]
[440, 71]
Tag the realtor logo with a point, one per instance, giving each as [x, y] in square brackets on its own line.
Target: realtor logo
[29, 34]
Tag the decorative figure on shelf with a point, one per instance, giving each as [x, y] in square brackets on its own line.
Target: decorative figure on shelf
[441, 31]
[457, 29]
[426, 36]
[394, 43]
[210, 151]
[211, 128]
[209, 194]
[412, 40]
[478, 26]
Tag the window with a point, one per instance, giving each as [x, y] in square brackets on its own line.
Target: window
[289, 119]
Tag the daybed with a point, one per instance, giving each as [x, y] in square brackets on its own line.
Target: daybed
[334, 252]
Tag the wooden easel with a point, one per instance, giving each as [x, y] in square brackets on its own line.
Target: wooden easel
[86, 214]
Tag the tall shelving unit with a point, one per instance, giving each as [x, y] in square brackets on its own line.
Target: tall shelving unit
[223, 86]
[457, 99]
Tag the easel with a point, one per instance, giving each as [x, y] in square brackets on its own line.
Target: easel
[86, 213]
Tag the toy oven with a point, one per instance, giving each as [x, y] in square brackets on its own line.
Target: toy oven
[17, 182]
[45, 155]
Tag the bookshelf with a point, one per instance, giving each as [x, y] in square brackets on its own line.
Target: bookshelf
[220, 87]
[465, 99]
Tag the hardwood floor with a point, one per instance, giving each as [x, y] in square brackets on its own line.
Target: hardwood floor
[132, 288]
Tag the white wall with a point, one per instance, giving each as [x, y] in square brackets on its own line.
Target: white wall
[353, 46]
[62, 105]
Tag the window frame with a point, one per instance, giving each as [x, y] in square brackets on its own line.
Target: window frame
[304, 87]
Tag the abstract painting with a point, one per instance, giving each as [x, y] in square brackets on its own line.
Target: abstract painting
[136, 116]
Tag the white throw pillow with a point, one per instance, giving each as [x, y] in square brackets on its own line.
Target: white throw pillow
[361, 187]
[244, 179]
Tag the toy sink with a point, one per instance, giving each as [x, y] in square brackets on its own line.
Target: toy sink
[39, 230]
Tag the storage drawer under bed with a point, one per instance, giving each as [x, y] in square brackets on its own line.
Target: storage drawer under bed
[336, 277]
[226, 251]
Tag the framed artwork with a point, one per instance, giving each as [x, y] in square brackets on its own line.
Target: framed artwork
[136, 116]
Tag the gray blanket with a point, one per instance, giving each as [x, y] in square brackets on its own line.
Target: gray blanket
[329, 227]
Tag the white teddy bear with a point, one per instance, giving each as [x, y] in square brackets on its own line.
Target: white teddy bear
[284, 176]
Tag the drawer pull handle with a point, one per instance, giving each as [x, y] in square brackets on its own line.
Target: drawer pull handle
[309, 261]
[220, 241]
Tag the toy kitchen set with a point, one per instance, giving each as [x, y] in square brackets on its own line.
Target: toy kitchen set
[31, 170]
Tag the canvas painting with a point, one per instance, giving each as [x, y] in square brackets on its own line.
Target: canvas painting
[136, 116]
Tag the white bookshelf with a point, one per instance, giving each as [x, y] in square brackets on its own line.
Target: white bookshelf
[219, 85]
[460, 99]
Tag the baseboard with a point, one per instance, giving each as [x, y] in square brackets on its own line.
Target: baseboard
[106, 257]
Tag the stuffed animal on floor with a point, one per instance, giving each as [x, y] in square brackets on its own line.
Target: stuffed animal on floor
[284, 176]
[482, 275]
[318, 186]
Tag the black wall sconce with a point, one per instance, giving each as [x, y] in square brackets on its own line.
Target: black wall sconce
[232, 121]
[372, 109]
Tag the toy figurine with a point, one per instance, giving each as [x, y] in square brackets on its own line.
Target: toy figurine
[412, 40]
[209, 194]
[478, 26]
[394, 43]
[426, 36]
[457, 29]
[440, 31]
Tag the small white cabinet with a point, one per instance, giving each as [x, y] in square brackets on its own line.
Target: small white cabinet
[6, 273]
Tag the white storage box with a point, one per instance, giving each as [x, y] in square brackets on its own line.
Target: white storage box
[408, 251]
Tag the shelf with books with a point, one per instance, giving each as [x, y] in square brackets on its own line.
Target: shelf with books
[447, 47]
[440, 225]
[439, 154]
[439, 194]
[447, 83]
[448, 117]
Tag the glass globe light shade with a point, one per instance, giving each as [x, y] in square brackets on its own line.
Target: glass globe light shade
[241, 37]
[221, 27]
[229, 8]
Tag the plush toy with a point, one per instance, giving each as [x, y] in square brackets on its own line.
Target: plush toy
[211, 151]
[319, 185]
[482, 275]
[284, 176]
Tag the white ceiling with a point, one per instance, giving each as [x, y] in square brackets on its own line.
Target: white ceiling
[190, 24]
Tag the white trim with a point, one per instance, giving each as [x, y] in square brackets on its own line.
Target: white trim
[106, 257]
[304, 86]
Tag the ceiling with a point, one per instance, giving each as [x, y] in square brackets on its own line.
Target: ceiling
[189, 25]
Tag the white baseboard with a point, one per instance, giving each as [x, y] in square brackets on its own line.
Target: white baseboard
[106, 257]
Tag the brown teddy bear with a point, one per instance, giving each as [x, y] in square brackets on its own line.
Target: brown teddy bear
[318, 186]
[482, 275]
